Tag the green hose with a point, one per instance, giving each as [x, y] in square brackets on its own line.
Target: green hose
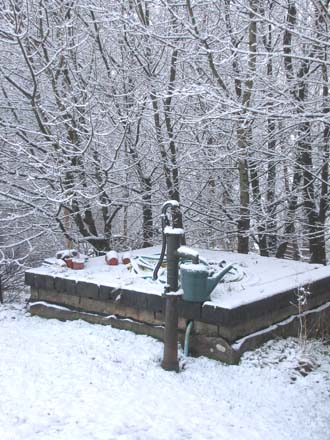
[186, 338]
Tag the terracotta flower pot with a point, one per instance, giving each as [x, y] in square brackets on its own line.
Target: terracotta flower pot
[112, 258]
[78, 264]
[69, 262]
[126, 258]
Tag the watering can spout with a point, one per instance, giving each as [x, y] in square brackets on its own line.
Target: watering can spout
[211, 284]
[216, 278]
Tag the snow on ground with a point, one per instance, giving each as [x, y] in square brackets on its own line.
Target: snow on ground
[75, 380]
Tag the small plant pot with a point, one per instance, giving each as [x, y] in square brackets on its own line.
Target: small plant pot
[126, 258]
[78, 264]
[69, 262]
[112, 258]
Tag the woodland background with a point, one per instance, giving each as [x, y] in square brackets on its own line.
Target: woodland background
[110, 107]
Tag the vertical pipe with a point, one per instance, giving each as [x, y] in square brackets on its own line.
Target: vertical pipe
[170, 358]
[173, 243]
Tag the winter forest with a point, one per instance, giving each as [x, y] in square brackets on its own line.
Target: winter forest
[110, 107]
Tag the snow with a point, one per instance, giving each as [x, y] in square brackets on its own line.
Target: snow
[97, 271]
[185, 251]
[112, 254]
[260, 277]
[194, 268]
[172, 203]
[168, 230]
[265, 277]
[67, 253]
[178, 292]
[78, 381]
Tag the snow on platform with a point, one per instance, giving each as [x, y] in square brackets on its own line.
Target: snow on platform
[262, 277]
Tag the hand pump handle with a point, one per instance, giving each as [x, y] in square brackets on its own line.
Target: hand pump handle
[165, 222]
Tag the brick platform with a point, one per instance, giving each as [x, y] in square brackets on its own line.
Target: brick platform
[218, 332]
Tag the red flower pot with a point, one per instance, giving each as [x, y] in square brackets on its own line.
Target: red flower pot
[78, 264]
[112, 258]
[69, 262]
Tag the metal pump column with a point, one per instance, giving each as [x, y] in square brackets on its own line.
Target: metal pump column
[173, 238]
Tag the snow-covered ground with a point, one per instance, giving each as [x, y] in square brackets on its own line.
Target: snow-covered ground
[77, 381]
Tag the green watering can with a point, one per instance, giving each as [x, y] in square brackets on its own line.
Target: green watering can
[197, 283]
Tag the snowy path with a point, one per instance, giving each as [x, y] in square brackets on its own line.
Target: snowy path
[79, 381]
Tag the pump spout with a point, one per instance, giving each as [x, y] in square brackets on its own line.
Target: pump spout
[187, 252]
[214, 280]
